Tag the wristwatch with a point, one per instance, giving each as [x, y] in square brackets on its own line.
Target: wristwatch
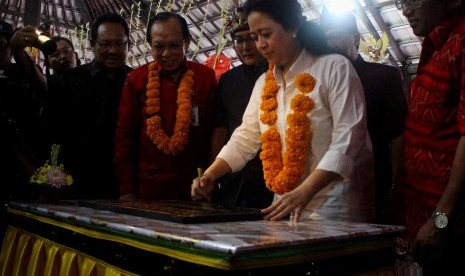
[440, 220]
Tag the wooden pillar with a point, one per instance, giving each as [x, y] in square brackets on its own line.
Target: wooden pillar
[32, 14]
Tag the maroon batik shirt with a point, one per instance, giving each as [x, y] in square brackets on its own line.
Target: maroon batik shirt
[141, 167]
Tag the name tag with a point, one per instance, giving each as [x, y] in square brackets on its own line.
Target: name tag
[195, 116]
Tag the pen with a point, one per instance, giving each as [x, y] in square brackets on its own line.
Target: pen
[199, 172]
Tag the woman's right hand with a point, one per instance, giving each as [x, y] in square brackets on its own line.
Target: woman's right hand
[202, 187]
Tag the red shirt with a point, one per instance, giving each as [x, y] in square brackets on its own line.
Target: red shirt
[141, 167]
[435, 120]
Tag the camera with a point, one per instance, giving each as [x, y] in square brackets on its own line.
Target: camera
[46, 44]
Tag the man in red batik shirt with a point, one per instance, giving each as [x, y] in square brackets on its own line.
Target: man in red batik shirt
[429, 191]
[165, 117]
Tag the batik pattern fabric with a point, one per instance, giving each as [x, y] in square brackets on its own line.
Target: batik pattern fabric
[434, 125]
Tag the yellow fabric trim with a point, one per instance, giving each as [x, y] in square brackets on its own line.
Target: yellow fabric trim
[26, 254]
[185, 256]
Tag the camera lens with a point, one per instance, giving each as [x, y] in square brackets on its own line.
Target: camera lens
[47, 46]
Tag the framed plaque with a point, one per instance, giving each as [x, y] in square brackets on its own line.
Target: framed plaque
[175, 210]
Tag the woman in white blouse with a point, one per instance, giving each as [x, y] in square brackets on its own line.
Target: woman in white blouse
[307, 113]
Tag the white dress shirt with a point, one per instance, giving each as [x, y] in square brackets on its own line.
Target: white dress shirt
[339, 138]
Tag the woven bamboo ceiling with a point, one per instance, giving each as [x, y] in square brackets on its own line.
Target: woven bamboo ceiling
[71, 18]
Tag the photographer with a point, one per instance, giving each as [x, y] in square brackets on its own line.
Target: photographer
[31, 36]
[21, 149]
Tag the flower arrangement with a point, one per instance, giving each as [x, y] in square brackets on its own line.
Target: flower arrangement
[176, 143]
[52, 173]
[282, 173]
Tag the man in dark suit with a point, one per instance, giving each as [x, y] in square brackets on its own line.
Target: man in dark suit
[385, 100]
[247, 187]
[85, 102]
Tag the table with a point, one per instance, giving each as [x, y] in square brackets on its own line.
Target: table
[67, 238]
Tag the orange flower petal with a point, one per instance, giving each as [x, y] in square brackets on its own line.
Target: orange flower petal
[305, 83]
[176, 143]
[283, 173]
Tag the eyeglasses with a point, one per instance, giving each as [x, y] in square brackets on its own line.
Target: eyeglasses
[161, 47]
[409, 4]
[239, 41]
[104, 44]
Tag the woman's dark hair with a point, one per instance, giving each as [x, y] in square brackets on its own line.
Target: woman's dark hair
[107, 17]
[163, 16]
[288, 13]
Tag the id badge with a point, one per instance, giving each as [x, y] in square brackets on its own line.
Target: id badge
[195, 116]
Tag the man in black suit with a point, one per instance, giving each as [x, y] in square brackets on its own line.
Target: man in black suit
[385, 100]
[247, 187]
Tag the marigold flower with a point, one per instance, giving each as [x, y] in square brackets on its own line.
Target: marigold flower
[295, 134]
[269, 118]
[269, 104]
[176, 143]
[305, 82]
[151, 110]
[151, 85]
[152, 102]
[301, 102]
[283, 173]
[152, 93]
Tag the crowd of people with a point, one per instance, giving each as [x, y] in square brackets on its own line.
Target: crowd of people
[303, 128]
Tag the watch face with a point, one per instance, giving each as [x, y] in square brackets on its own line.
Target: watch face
[440, 220]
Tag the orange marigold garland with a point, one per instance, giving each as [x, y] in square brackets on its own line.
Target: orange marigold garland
[176, 143]
[283, 172]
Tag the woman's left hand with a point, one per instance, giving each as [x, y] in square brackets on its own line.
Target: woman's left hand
[289, 203]
[295, 201]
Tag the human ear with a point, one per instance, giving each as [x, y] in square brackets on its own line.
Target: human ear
[187, 41]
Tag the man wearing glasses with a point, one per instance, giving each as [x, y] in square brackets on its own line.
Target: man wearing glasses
[84, 105]
[247, 187]
[165, 117]
[429, 190]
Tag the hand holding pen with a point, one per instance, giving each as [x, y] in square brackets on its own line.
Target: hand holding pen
[203, 186]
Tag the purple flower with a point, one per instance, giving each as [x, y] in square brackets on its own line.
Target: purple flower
[56, 177]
